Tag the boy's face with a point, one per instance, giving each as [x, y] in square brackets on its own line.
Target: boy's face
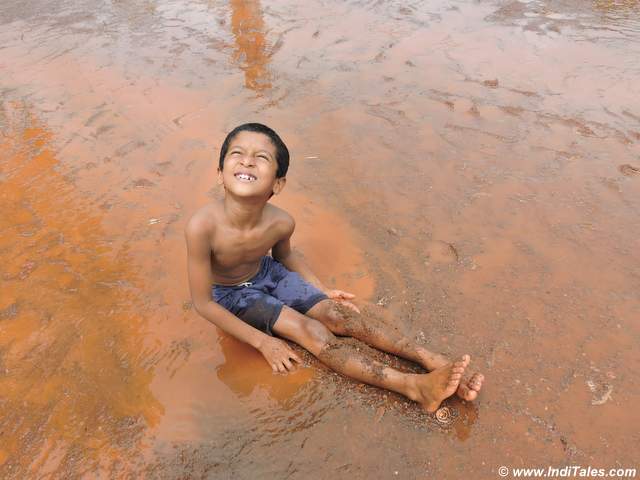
[250, 166]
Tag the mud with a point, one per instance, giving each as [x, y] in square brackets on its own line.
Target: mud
[371, 324]
[470, 167]
[341, 350]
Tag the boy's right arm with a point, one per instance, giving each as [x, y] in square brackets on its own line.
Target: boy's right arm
[276, 352]
[200, 281]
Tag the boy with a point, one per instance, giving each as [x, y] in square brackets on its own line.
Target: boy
[252, 296]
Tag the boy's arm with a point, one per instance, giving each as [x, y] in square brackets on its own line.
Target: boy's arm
[291, 259]
[276, 352]
[200, 281]
[294, 261]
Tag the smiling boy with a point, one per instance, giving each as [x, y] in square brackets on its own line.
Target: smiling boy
[257, 298]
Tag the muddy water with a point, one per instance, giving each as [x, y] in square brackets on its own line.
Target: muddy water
[474, 167]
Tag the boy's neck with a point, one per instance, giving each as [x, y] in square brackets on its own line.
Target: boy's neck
[245, 213]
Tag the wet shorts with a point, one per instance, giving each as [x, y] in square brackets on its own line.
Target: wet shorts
[259, 301]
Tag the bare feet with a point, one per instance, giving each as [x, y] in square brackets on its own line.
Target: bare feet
[432, 388]
[469, 388]
[469, 385]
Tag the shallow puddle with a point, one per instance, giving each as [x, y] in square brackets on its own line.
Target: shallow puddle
[472, 167]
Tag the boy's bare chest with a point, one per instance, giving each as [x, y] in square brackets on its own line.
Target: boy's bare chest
[227, 248]
[235, 256]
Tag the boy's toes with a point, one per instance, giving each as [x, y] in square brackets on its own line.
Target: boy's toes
[471, 395]
[462, 363]
[469, 389]
[475, 382]
[466, 393]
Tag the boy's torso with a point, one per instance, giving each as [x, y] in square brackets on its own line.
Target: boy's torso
[235, 254]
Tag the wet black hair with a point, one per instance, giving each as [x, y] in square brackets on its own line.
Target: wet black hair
[282, 152]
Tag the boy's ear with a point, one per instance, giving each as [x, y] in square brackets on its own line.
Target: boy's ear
[220, 181]
[279, 185]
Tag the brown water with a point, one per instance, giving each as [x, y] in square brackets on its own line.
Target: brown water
[472, 166]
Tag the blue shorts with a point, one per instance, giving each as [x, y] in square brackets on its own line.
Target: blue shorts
[259, 300]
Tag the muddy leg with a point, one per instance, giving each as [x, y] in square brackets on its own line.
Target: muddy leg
[428, 389]
[374, 326]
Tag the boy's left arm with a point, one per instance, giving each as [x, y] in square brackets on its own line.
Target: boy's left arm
[294, 261]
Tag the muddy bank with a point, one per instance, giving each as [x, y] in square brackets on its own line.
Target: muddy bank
[470, 167]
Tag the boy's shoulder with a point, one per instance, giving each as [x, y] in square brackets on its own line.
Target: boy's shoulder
[204, 220]
[279, 215]
[277, 222]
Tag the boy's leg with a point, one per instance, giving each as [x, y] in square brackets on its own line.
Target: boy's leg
[374, 327]
[428, 389]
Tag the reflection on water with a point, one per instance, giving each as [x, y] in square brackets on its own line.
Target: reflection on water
[75, 390]
[251, 53]
[245, 369]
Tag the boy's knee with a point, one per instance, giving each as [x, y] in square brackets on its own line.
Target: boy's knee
[318, 335]
[343, 319]
[337, 311]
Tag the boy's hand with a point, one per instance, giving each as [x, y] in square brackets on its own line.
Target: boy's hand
[342, 297]
[278, 354]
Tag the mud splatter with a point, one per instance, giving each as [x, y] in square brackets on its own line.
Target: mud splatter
[492, 83]
[446, 416]
[441, 252]
[629, 170]
[344, 350]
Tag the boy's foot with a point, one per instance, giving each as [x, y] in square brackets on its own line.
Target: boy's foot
[430, 389]
[469, 386]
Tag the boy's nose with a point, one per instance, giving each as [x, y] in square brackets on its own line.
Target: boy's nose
[247, 160]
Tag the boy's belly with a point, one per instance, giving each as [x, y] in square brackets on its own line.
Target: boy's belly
[236, 274]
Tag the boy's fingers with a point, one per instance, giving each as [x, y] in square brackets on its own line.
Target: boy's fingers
[290, 352]
[343, 294]
[295, 357]
[340, 294]
[351, 306]
[288, 365]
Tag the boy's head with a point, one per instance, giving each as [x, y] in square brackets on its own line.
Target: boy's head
[282, 152]
[253, 161]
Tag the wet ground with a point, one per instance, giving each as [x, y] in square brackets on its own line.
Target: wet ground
[472, 166]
